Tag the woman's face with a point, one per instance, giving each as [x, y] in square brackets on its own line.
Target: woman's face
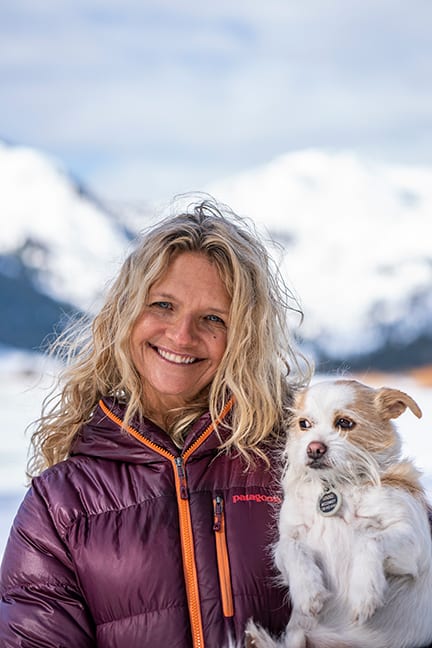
[179, 339]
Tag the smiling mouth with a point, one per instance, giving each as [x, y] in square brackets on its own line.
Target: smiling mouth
[174, 358]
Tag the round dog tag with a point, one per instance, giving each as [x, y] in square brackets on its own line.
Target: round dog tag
[329, 502]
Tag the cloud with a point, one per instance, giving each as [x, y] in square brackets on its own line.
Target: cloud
[213, 85]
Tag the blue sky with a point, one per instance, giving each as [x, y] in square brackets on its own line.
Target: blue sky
[142, 99]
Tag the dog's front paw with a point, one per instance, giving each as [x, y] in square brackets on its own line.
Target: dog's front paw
[363, 609]
[257, 637]
[308, 592]
[366, 598]
[310, 604]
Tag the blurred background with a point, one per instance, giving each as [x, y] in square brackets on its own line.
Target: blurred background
[313, 118]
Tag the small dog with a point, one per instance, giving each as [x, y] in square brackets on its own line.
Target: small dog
[354, 542]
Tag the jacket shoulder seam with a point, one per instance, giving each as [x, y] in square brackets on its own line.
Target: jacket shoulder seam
[145, 613]
[93, 514]
[6, 591]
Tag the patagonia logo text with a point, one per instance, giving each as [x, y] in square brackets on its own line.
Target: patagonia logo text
[256, 497]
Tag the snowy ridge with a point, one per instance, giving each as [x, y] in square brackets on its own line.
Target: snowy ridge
[61, 235]
[358, 242]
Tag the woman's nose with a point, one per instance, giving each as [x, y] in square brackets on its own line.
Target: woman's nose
[182, 330]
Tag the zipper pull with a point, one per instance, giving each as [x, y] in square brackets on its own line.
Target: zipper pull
[218, 513]
[182, 477]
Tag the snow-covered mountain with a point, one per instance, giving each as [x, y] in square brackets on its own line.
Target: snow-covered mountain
[356, 239]
[58, 246]
[58, 231]
[358, 250]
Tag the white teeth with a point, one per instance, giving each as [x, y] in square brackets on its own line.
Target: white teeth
[173, 357]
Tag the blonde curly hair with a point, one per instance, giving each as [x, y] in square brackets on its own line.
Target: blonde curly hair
[256, 368]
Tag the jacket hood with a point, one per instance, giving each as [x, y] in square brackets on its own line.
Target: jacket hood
[103, 436]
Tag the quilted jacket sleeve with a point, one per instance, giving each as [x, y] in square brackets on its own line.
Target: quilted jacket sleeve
[41, 603]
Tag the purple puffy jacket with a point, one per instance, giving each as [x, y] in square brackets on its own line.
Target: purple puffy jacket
[131, 543]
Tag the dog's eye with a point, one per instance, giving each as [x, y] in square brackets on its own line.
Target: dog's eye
[345, 423]
[304, 424]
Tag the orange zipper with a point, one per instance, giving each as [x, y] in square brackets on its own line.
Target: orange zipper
[186, 533]
[222, 556]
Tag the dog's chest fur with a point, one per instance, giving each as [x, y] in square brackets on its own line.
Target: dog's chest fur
[335, 540]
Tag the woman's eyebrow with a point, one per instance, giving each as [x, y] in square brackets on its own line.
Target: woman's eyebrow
[163, 295]
[156, 293]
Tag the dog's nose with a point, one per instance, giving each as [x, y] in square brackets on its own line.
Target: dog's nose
[316, 449]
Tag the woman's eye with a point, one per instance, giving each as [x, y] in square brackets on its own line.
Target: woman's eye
[161, 304]
[345, 423]
[304, 424]
[215, 318]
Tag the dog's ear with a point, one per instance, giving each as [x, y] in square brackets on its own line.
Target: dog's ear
[392, 403]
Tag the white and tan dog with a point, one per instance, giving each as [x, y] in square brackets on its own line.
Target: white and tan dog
[354, 536]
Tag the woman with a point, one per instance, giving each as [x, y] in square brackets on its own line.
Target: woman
[150, 521]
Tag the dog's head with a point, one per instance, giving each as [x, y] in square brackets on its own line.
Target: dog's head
[342, 430]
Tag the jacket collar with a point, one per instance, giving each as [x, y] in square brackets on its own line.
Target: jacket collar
[104, 437]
